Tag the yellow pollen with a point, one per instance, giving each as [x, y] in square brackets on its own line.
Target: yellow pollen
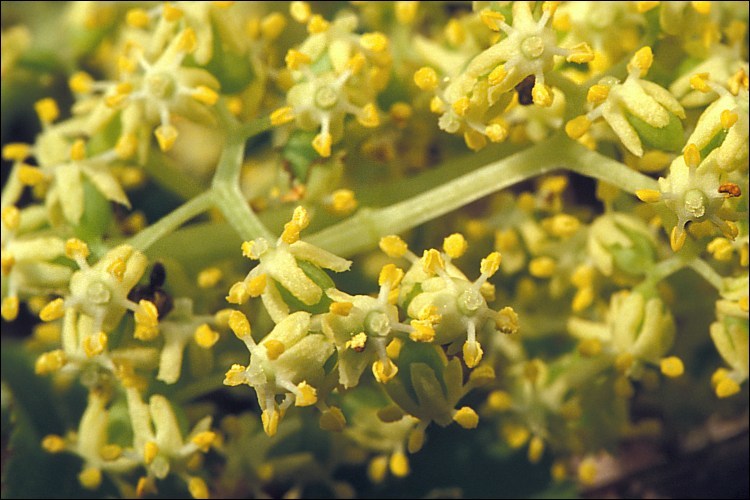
[506, 321]
[136, 18]
[117, 269]
[47, 110]
[274, 348]
[300, 11]
[648, 195]
[432, 261]
[30, 176]
[16, 151]
[95, 344]
[401, 112]
[76, 249]
[257, 285]
[322, 144]
[110, 452]
[455, 33]
[393, 246]
[699, 82]
[238, 293]
[235, 375]
[307, 395]
[205, 337]
[702, 7]
[455, 245]
[209, 277]
[492, 19]
[642, 60]
[198, 488]
[340, 308]
[597, 93]
[150, 450]
[356, 63]
[205, 95]
[587, 471]
[11, 217]
[589, 348]
[126, 146]
[490, 264]
[171, 13]
[90, 478]
[536, 449]
[390, 276]
[466, 417]
[7, 261]
[677, 239]
[146, 316]
[49, 362]
[499, 401]
[239, 324]
[52, 311]
[406, 11]
[497, 132]
[461, 106]
[728, 119]
[473, 353]
[204, 440]
[81, 82]
[357, 342]
[317, 24]
[53, 443]
[580, 54]
[672, 366]
[474, 140]
[541, 95]
[721, 249]
[166, 135]
[692, 156]
[368, 116]
[542, 267]
[727, 388]
[187, 41]
[272, 26]
[399, 464]
[437, 105]
[343, 202]
[515, 435]
[426, 78]
[376, 41]
[384, 374]
[9, 308]
[578, 126]
[423, 331]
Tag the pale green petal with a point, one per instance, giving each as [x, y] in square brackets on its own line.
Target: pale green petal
[70, 191]
[321, 258]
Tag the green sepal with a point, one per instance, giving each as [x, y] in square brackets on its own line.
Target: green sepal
[669, 138]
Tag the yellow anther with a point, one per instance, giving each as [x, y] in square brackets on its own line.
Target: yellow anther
[461, 106]
[506, 321]
[578, 126]
[721, 249]
[238, 293]
[384, 374]
[198, 488]
[423, 331]
[11, 217]
[274, 348]
[515, 435]
[581, 53]
[9, 308]
[393, 246]
[7, 261]
[209, 277]
[587, 471]
[150, 450]
[307, 395]
[332, 420]
[466, 417]
[76, 249]
[340, 308]
[541, 95]
[239, 324]
[30, 176]
[744, 303]
[343, 202]
[455, 245]
[117, 269]
[282, 116]
[187, 41]
[499, 401]
[204, 440]
[474, 140]
[583, 298]
[672, 366]
[205, 336]
[561, 22]
[536, 449]
[699, 82]
[317, 24]
[646, 6]
[473, 353]
[597, 93]
[16, 151]
[406, 11]
[47, 110]
[542, 267]
[356, 63]
[253, 249]
[166, 135]
[702, 7]
[492, 19]
[272, 26]
[206, 95]
[300, 11]
[376, 41]
[53, 443]
[482, 375]
[368, 116]
[126, 146]
[47, 333]
[455, 33]
[736, 31]
[648, 195]
[550, 7]
[52, 311]
[358, 342]
[497, 132]
[490, 264]
[146, 316]
[692, 156]
[430, 314]
[256, 285]
[401, 112]
[497, 75]
[677, 239]
[322, 144]
[426, 78]
[235, 375]
[136, 18]
[300, 217]
[399, 464]
[110, 452]
[95, 344]
[437, 105]
[727, 387]
[81, 82]
[432, 261]
[642, 60]
[728, 119]
[589, 348]
[90, 478]
[171, 13]
[49, 362]
[390, 276]
[125, 65]
[561, 225]
[738, 81]
[295, 59]
[559, 472]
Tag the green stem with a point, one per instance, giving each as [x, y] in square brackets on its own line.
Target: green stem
[593, 164]
[663, 270]
[708, 273]
[162, 170]
[194, 390]
[164, 226]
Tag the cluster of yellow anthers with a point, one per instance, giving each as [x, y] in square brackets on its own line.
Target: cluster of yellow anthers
[333, 73]
[473, 102]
